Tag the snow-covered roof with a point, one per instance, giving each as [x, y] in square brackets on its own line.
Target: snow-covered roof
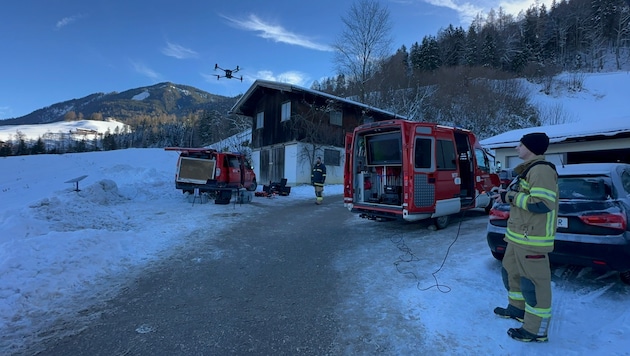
[588, 168]
[562, 132]
[236, 109]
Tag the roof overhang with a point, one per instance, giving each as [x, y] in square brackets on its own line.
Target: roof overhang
[618, 127]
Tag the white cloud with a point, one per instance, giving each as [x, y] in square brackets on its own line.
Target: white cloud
[146, 71]
[468, 10]
[177, 51]
[276, 33]
[465, 10]
[291, 77]
[67, 20]
[515, 6]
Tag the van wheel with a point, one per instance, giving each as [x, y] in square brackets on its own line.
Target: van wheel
[625, 277]
[253, 186]
[441, 222]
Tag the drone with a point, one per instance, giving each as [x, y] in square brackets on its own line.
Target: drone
[228, 73]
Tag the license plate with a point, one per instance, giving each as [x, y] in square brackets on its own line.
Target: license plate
[563, 222]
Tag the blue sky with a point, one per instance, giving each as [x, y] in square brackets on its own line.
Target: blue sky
[57, 50]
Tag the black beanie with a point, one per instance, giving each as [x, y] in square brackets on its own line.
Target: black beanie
[536, 142]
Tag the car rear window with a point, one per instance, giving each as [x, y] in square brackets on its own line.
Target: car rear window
[589, 188]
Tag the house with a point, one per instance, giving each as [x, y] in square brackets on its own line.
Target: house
[292, 125]
[606, 141]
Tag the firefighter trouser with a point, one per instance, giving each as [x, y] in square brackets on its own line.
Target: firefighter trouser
[319, 193]
[527, 277]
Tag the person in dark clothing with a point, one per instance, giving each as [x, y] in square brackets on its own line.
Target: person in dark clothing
[318, 177]
[530, 235]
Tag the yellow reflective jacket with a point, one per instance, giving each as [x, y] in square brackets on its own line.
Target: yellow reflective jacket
[533, 206]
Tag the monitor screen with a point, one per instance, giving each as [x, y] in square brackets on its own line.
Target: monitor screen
[384, 149]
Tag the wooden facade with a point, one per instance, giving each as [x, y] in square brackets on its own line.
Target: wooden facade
[316, 118]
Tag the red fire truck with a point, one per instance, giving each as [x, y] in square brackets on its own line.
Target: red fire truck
[217, 174]
[399, 169]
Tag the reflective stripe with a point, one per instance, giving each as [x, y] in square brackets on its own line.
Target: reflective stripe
[524, 184]
[530, 239]
[516, 296]
[521, 200]
[543, 193]
[544, 313]
[551, 223]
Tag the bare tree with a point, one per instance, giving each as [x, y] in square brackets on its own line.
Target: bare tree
[364, 43]
[622, 31]
[312, 128]
[554, 115]
[70, 116]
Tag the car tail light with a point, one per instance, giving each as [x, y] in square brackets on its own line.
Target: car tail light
[498, 214]
[614, 221]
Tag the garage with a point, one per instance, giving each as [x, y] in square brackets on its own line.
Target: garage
[569, 143]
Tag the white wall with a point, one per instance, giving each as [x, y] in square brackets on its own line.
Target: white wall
[297, 170]
[290, 164]
[256, 164]
[555, 158]
[334, 174]
[303, 166]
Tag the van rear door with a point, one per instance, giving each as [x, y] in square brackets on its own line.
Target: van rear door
[348, 188]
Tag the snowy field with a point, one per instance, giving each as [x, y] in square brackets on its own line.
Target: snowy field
[62, 251]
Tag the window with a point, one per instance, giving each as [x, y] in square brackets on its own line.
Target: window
[260, 120]
[332, 157]
[384, 149]
[625, 180]
[482, 160]
[446, 155]
[422, 153]
[588, 188]
[286, 111]
[234, 162]
[336, 118]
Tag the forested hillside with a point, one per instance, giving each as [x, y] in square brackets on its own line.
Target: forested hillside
[463, 76]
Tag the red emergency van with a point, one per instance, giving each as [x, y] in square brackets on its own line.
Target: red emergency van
[400, 169]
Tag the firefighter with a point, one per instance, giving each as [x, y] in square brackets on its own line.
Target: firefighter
[318, 177]
[531, 230]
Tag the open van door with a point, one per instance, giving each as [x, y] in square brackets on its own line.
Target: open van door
[348, 189]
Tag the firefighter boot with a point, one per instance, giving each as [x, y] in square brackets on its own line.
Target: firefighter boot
[511, 312]
[521, 334]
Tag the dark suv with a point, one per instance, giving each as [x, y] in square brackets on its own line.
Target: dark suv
[593, 218]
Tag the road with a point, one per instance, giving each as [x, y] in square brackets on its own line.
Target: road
[302, 279]
[271, 286]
